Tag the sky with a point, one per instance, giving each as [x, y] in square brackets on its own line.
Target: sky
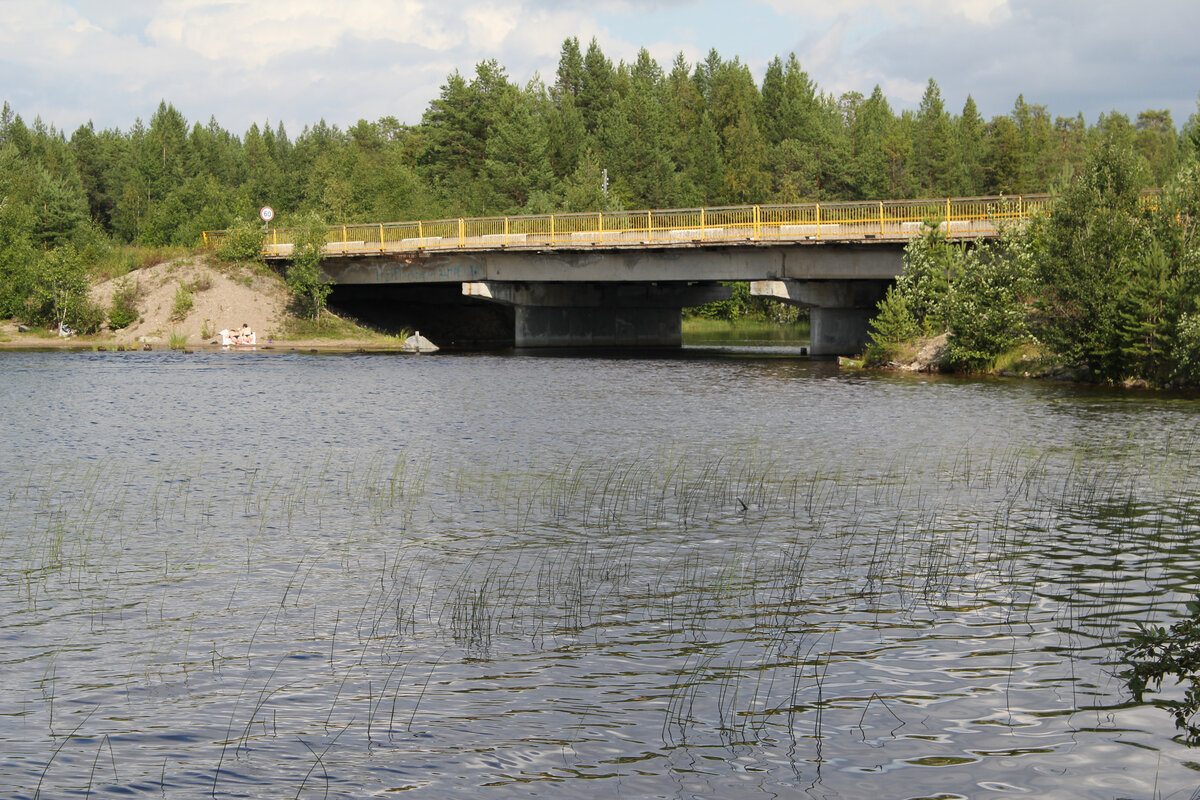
[111, 62]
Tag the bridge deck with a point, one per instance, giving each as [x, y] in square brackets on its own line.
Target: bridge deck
[863, 222]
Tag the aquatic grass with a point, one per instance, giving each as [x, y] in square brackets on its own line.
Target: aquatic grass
[745, 567]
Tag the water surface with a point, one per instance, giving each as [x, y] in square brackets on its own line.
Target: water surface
[711, 574]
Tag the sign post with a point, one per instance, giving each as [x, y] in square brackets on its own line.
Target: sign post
[266, 214]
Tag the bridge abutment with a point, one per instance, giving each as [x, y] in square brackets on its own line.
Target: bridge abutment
[839, 310]
[596, 314]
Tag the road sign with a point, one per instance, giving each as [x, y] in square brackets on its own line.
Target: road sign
[267, 213]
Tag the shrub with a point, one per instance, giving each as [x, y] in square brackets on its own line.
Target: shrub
[891, 328]
[123, 311]
[1154, 653]
[88, 317]
[308, 283]
[985, 307]
[930, 264]
[183, 303]
[243, 242]
[60, 291]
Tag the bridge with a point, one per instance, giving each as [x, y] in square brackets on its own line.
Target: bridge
[620, 279]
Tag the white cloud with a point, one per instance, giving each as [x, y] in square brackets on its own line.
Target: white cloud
[254, 33]
[975, 11]
[299, 61]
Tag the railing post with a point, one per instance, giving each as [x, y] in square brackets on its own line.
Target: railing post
[345, 240]
[818, 220]
[420, 234]
[703, 225]
[600, 227]
[551, 229]
[649, 226]
[381, 245]
[506, 231]
[881, 218]
[947, 217]
[756, 223]
[462, 232]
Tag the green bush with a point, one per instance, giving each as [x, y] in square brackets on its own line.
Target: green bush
[309, 285]
[1154, 653]
[985, 308]
[59, 293]
[88, 317]
[123, 311]
[183, 303]
[243, 242]
[891, 328]
[930, 264]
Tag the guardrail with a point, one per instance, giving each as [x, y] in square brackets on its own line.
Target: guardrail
[959, 218]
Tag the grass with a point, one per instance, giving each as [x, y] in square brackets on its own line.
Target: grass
[113, 261]
[722, 582]
[333, 327]
[702, 328]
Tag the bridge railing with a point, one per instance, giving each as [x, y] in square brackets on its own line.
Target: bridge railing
[958, 218]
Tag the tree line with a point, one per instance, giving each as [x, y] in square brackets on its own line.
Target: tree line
[696, 134]
[598, 136]
[1106, 287]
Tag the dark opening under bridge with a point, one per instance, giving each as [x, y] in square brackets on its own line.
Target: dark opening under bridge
[620, 279]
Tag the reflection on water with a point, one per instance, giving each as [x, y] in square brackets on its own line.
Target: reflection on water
[561, 577]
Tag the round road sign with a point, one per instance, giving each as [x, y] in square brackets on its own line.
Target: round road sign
[267, 213]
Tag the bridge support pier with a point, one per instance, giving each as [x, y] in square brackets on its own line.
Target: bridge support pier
[839, 310]
[597, 314]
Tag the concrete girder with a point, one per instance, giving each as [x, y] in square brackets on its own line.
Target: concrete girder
[748, 262]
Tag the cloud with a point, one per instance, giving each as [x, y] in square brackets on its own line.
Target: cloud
[299, 61]
[974, 11]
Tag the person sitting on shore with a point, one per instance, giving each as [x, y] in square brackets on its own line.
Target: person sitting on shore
[247, 334]
[228, 337]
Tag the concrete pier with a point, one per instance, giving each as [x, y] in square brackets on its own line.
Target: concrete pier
[596, 314]
[839, 310]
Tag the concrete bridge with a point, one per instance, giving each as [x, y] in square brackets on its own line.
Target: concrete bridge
[620, 279]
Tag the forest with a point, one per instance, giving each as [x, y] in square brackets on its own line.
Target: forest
[598, 136]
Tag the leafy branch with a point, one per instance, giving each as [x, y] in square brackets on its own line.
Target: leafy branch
[1154, 653]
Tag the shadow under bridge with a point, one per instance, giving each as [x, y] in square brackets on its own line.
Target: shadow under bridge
[618, 297]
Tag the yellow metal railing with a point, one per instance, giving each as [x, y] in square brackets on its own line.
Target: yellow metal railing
[958, 218]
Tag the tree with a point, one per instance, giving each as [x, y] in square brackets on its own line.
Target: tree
[986, 309]
[309, 285]
[60, 290]
[869, 167]
[1100, 278]
[891, 328]
[16, 243]
[1157, 143]
[597, 87]
[934, 143]
[584, 189]
[967, 176]
[516, 150]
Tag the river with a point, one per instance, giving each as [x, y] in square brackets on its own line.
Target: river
[707, 574]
